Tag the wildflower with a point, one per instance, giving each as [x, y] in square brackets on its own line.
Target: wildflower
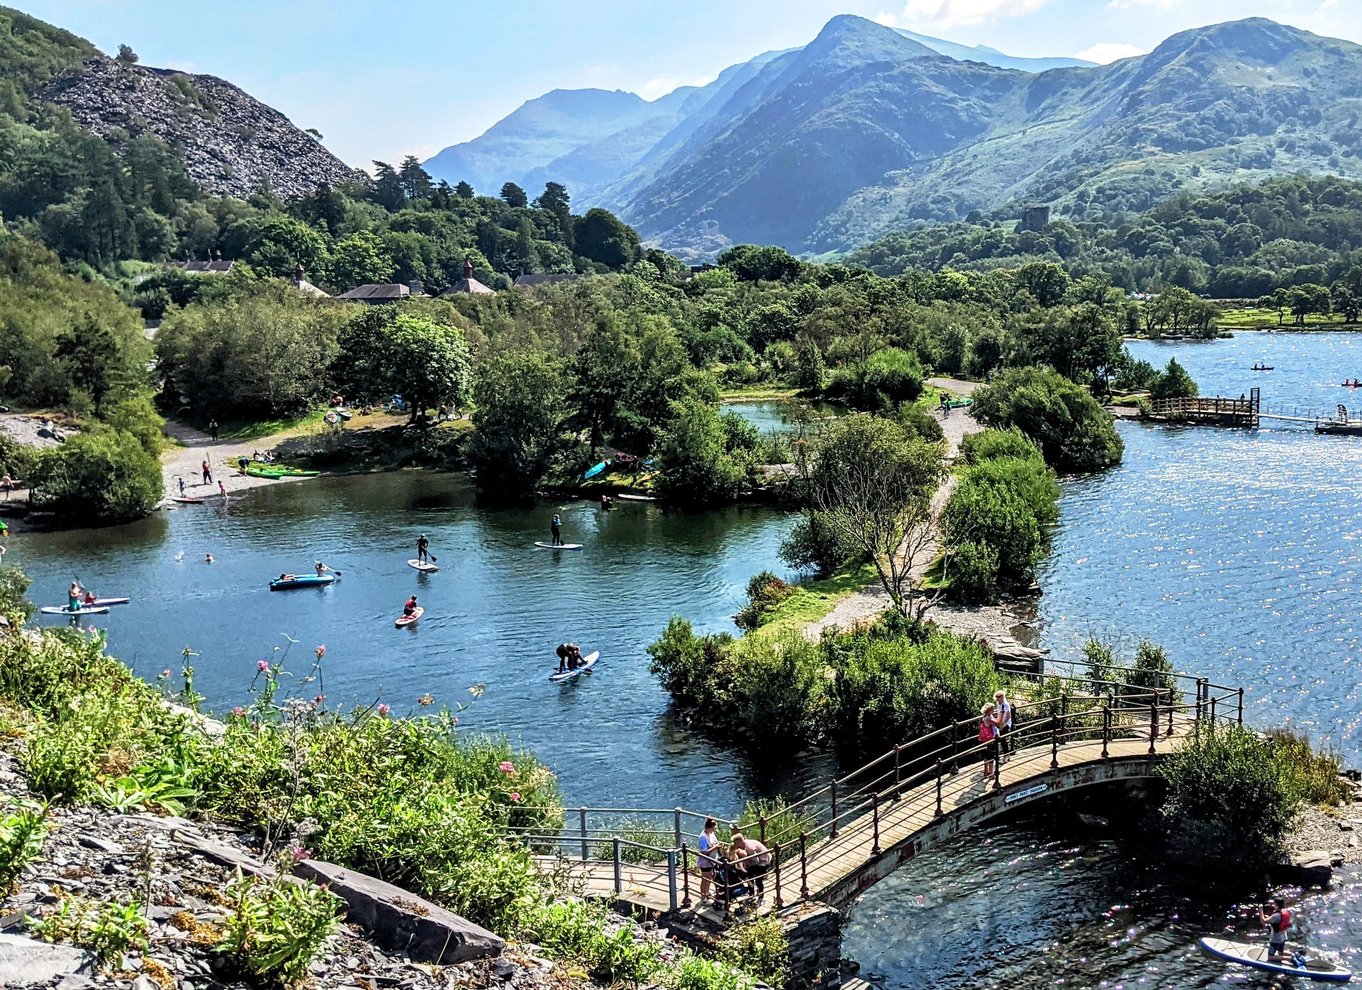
[383, 709]
[320, 651]
[515, 796]
[425, 700]
[238, 711]
[508, 768]
[262, 665]
[165, 673]
[318, 700]
[300, 854]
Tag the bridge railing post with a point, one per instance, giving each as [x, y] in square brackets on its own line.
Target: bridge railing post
[955, 752]
[1153, 725]
[898, 771]
[1106, 730]
[775, 858]
[685, 875]
[1064, 705]
[761, 828]
[619, 866]
[833, 788]
[1200, 702]
[1241, 706]
[875, 823]
[1054, 742]
[1213, 699]
[728, 891]
[672, 900]
[803, 866]
[1172, 707]
[997, 762]
[676, 825]
[581, 824]
[940, 771]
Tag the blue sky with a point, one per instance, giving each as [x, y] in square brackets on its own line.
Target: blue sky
[383, 79]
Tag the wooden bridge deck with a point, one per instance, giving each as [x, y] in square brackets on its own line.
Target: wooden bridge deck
[840, 868]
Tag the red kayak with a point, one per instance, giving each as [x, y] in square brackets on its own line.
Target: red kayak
[406, 620]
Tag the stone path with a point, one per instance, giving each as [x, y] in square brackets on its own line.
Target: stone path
[186, 462]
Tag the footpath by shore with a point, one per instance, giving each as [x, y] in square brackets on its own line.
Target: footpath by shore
[997, 625]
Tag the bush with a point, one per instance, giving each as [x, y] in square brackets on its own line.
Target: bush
[887, 378]
[1071, 429]
[699, 973]
[760, 948]
[814, 543]
[1229, 800]
[23, 825]
[97, 476]
[107, 930]
[1316, 774]
[765, 592]
[1174, 383]
[703, 456]
[276, 927]
[686, 664]
[992, 445]
[913, 417]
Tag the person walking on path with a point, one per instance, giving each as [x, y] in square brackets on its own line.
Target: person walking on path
[213, 428]
[207, 473]
[706, 861]
[222, 489]
[181, 481]
[8, 484]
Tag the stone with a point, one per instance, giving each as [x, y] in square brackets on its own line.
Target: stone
[504, 969]
[107, 846]
[25, 960]
[145, 983]
[222, 854]
[1310, 868]
[76, 982]
[399, 919]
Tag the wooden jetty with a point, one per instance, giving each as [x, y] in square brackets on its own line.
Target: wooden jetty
[1245, 411]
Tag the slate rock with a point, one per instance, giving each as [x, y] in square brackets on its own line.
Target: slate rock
[145, 983]
[399, 919]
[25, 960]
[107, 846]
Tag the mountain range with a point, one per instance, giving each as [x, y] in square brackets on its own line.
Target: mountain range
[868, 129]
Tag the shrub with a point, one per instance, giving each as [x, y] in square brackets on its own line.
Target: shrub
[1071, 429]
[13, 603]
[1174, 383]
[685, 663]
[885, 379]
[703, 457]
[583, 931]
[991, 445]
[107, 930]
[1316, 774]
[699, 973]
[765, 592]
[276, 927]
[814, 543]
[97, 476]
[776, 693]
[22, 829]
[1229, 800]
[758, 947]
[1151, 668]
[913, 417]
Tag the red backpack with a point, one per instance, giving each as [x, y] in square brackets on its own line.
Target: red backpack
[985, 731]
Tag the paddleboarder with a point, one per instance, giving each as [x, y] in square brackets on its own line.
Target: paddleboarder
[423, 549]
[73, 596]
[1278, 922]
[569, 657]
[556, 529]
[410, 608]
[322, 568]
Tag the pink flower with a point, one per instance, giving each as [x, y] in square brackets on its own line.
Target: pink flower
[300, 854]
[318, 700]
[238, 711]
[383, 709]
[262, 665]
[320, 651]
[165, 673]
[507, 767]
[515, 796]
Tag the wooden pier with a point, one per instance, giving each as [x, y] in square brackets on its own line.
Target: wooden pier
[1244, 411]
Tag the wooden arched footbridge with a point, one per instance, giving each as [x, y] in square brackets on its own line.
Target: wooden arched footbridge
[836, 842]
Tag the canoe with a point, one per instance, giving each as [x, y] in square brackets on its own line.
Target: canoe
[568, 675]
[592, 472]
[257, 469]
[423, 568]
[63, 610]
[302, 581]
[1265, 367]
[186, 501]
[561, 546]
[1256, 956]
[635, 498]
[408, 620]
[102, 602]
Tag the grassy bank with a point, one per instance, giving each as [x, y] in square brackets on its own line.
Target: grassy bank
[811, 600]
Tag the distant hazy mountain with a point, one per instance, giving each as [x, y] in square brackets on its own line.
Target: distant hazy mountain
[867, 129]
[590, 139]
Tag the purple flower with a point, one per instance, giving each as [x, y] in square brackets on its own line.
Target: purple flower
[238, 711]
[507, 767]
[383, 709]
[300, 854]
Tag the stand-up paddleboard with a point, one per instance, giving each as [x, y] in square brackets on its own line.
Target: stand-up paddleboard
[103, 602]
[426, 568]
[183, 500]
[589, 661]
[560, 546]
[1255, 956]
[407, 620]
[626, 497]
[83, 610]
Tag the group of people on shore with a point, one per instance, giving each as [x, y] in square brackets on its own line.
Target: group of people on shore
[997, 720]
[736, 870]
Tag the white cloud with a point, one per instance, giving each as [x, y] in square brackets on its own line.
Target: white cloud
[662, 85]
[1157, 4]
[954, 13]
[1108, 51]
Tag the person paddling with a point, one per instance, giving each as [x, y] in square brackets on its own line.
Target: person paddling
[409, 609]
[423, 549]
[322, 569]
[556, 529]
[73, 596]
[1278, 922]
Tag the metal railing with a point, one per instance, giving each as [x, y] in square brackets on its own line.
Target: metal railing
[647, 848]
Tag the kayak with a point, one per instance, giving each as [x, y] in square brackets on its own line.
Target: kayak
[635, 498]
[186, 501]
[410, 620]
[302, 581]
[426, 568]
[258, 470]
[102, 602]
[561, 546]
[63, 610]
[1256, 957]
[568, 675]
[592, 472]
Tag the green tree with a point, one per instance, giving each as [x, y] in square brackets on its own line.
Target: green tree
[1174, 383]
[463, 190]
[97, 476]
[872, 482]
[703, 457]
[428, 363]
[1071, 429]
[514, 196]
[126, 55]
[520, 405]
[360, 259]
[604, 238]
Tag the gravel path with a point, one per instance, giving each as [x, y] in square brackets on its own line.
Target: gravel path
[187, 462]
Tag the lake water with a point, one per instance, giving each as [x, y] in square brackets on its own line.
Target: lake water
[1240, 551]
